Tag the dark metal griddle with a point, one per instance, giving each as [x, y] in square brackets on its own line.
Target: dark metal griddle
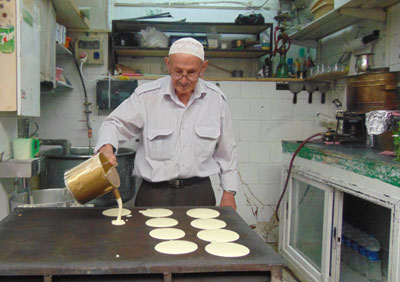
[81, 241]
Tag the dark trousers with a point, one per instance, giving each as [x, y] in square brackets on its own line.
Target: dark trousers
[156, 194]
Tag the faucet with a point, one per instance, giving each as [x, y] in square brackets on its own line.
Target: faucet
[65, 143]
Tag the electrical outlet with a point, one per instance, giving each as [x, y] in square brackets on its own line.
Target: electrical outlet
[92, 46]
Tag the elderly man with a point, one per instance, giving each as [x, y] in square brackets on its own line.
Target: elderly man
[185, 134]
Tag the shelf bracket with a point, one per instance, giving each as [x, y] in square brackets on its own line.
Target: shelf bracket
[370, 14]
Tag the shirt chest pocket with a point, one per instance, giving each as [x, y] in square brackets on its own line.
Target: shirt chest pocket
[205, 140]
[160, 144]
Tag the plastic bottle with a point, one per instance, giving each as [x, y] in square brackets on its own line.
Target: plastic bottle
[362, 253]
[346, 243]
[290, 66]
[353, 260]
[374, 263]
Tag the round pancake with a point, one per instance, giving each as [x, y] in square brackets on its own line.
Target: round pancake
[176, 247]
[228, 250]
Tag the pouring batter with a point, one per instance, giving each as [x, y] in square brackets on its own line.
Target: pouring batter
[119, 221]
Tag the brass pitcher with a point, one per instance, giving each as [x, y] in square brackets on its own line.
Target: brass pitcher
[92, 178]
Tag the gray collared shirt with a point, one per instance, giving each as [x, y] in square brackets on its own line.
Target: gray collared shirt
[176, 141]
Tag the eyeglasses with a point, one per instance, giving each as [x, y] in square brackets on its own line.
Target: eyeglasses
[189, 75]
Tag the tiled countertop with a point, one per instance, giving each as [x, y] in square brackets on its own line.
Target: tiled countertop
[359, 160]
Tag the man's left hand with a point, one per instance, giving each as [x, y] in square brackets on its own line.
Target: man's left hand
[228, 200]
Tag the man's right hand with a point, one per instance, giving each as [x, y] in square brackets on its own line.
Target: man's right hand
[108, 151]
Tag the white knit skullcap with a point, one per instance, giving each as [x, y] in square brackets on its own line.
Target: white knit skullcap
[187, 45]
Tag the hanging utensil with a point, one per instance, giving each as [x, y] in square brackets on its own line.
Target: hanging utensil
[323, 87]
[310, 86]
[295, 87]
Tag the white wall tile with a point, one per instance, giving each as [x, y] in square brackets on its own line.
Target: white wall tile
[259, 152]
[240, 197]
[249, 172]
[302, 95]
[236, 130]
[269, 90]
[276, 152]
[270, 173]
[230, 88]
[250, 130]
[240, 108]
[303, 110]
[243, 152]
[260, 109]
[271, 130]
[257, 194]
[283, 94]
[292, 130]
[281, 109]
[250, 90]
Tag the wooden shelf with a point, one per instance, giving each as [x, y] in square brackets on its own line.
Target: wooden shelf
[63, 85]
[69, 15]
[342, 17]
[48, 88]
[190, 27]
[328, 76]
[61, 50]
[209, 53]
[211, 78]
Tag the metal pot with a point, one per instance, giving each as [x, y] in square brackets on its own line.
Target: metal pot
[373, 91]
[58, 197]
[363, 62]
[57, 164]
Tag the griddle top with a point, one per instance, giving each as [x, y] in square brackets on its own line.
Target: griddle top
[68, 241]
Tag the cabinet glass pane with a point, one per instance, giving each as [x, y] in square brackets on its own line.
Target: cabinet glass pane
[306, 221]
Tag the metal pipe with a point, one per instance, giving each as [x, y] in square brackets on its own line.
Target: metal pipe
[65, 143]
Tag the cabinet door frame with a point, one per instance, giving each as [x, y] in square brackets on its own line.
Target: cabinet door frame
[294, 257]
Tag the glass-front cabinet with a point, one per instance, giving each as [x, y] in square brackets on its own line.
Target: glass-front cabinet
[308, 224]
[337, 224]
[330, 235]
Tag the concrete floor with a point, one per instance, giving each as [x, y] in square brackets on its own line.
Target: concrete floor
[288, 276]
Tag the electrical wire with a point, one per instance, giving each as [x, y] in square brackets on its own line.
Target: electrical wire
[86, 104]
[290, 169]
[92, 80]
[80, 75]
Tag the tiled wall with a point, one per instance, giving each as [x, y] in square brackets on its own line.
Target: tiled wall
[262, 117]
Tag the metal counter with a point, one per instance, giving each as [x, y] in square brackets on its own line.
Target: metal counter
[61, 243]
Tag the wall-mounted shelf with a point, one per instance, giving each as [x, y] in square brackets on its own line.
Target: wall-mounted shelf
[63, 85]
[21, 168]
[189, 27]
[212, 78]
[342, 17]
[61, 50]
[328, 76]
[69, 15]
[209, 53]
[123, 27]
